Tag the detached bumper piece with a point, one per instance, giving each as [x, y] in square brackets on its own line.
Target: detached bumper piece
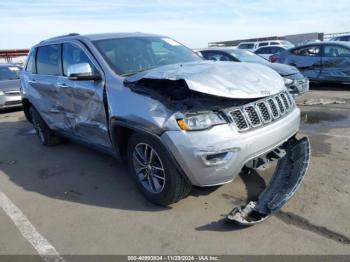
[288, 176]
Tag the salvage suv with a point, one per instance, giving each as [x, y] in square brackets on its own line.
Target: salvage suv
[178, 120]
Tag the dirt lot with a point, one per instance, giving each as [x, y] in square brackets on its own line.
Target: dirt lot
[84, 202]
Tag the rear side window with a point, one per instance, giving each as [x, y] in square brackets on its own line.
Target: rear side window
[74, 55]
[216, 56]
[30, 67]
[307, 51]
[344, 38]
[47, 60]
[264, 44]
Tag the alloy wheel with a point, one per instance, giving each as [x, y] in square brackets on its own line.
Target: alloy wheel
[149, 168]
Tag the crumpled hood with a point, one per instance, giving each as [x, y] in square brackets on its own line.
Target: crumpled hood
[9, 85]
[283, 70]
[226, 79]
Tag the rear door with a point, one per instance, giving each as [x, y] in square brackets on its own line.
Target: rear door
[307, 59]
[45, 94]
[335, 63]
[83, 102]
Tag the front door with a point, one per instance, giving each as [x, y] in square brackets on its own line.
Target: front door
[83, 99]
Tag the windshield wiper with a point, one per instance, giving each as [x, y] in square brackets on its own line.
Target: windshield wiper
[135, 72]
[139, 71]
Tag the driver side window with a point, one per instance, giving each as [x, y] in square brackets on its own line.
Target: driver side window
[73, 55]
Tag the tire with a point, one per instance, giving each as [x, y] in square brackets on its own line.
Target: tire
[46, 136]
[172, 188]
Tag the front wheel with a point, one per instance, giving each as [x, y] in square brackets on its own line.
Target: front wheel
[154, 172]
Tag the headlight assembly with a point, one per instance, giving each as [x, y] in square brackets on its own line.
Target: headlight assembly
[200, 121]
[288, 81]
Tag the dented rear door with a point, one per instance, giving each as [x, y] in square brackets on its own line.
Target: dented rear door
[82, 100]
[43, 85]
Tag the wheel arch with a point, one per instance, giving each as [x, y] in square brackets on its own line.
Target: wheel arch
[26, 106]
[121, 130]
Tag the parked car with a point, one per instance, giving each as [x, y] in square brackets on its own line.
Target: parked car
[296, 83]
[267, 51]
[324, 61]
[345, 38]
[252, 46]
[9, 86]
[177, 119]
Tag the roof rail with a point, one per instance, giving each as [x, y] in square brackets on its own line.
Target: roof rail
[60, 36]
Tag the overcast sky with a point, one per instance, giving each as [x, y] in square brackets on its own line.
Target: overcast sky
[194, 23]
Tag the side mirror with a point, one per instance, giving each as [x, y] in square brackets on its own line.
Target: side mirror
[82, 71]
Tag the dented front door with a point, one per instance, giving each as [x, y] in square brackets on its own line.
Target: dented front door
[82, 100]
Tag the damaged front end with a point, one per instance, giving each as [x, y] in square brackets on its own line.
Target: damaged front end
[234, 122]
[294, 159]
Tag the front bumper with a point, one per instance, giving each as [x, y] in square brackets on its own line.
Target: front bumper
[216, 156]
[286, 180]
[10, 101]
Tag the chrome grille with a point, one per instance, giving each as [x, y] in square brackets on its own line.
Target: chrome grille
[261, 112]
[290, 99]
[264, 112]
[253, 116]
[280, 105]
[284, 99]
[273, 107]
[239, 119]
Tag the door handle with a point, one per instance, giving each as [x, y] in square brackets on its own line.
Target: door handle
[62, 85]
[33, 81]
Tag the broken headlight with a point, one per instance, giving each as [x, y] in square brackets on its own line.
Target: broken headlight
[200, 121]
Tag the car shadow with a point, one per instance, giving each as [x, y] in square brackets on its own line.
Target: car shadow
[254, 184]
[11, 110]
[69, 172]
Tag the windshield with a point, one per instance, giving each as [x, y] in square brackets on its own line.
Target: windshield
[9, 72]
[247, 56]
[130, 55]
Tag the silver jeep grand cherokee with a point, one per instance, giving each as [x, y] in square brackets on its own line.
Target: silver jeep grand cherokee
[177, 119]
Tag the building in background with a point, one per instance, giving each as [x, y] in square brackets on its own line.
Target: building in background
[295, 39]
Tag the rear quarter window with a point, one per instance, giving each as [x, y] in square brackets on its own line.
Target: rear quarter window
[30, 66]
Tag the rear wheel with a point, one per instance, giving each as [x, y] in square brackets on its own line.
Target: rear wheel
[46, 136]
[154, 172]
